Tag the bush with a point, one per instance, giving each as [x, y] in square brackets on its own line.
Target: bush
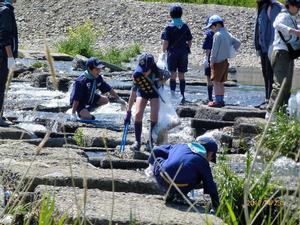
[38, 64]
[80, 40]
[283, 135]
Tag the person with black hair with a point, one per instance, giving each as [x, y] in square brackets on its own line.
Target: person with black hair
[267, 10]
[147, 79]
[286, 29]
[8, 47]
[84, 97]
[177, 41]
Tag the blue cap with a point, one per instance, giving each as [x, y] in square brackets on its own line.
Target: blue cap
[175, 11]
[209, 144]
[146, 61]
[94, 63]
[214, 19]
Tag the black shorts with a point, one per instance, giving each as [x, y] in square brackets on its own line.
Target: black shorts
[90, 107]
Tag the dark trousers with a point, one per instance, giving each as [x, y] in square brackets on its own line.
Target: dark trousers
[267, 72]
[3, 79]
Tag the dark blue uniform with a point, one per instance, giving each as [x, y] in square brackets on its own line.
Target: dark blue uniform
[195, 168]
[8, 36]
[145, 89]
[207, 45]
[178, 48]
[82, 91]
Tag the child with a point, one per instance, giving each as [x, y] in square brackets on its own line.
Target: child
[177, 41]
[222, 42]
[207, 46]
[147, 79]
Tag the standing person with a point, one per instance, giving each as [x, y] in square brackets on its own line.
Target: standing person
[8, 47]
[147, 79]
[207, 46]
[84, 98]
[222, 42]
[177, 41]
[267, 10]
[188, 166]
[283, 66]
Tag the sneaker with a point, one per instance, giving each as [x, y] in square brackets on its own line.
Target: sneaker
[3, 123]
[136, 146]
[216, 104]
[222, 103]
[182, 101]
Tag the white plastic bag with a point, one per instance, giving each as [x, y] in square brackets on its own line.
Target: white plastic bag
[232, 53]
[167, 116]
[294, 106]
[162, 61]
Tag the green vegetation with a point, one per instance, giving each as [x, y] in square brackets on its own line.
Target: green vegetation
[231, 188]
[82, 38]
[283, 135]
[78, 137]
[117, 56]
[38, 64]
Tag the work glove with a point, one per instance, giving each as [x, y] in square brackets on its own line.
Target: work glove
[127, 118]
[205, 62]
[149, 171]
[11, 63]
[73, 117]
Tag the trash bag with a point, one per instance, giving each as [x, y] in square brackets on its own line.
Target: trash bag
[167, 116]
[294, 106]
[162, 61]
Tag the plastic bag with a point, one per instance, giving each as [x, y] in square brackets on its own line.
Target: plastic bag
[294, 106]
[167, 116]
[232, 53]
[162, 61]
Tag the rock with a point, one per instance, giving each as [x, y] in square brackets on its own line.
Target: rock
[39, 79]
[54, 109]
[79, 62]
[108, 162]
[186, 111]
[202, 125]
[128, 207]
[63, 84]
[15, 133]
[21, 69]
[39, 55]
[227, 113]
[248, 126]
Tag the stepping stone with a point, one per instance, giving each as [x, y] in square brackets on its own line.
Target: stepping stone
[65, 167]
[248, 126]
[116, 163]
[128, 208]
[202, 125]
[15, 133]
[187, 110]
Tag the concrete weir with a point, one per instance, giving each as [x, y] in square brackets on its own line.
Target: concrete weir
[127, 207]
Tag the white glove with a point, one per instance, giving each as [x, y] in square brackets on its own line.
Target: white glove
[149, 171]
[212, 211]
[73, 117]
[205, 62]
[11, 63]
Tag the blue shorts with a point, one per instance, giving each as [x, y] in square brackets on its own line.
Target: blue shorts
[90, 107]
[178, 62]
[207, 71]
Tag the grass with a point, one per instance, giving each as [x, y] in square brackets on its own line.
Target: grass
[82, 38]
[38, 64]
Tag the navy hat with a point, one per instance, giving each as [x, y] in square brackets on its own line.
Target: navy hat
[214, 19]
[175, 11]
[294, 2]
[94, 62]
[146, 61]
[210, 145]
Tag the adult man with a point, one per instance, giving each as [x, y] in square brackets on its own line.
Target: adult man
[8, 47]
[188, 164]
[177, 41]
[267, 10]
[286, 28]
[84, 97]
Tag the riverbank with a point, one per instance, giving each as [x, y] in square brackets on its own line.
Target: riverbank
[123, 22]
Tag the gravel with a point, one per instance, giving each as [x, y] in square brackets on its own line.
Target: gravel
[124, 21]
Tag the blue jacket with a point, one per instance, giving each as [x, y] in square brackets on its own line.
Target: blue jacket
[177, 38]
[8, 29]
[264, 30]
[82, 88]
[208, 40]
[195, 169]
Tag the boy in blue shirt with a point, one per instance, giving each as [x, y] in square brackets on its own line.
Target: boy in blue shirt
[84, 97]
[207, 46]
[190, 164]
[177, 41]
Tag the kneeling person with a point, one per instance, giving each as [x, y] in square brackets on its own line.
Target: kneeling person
[84, 97]
[191, 162]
